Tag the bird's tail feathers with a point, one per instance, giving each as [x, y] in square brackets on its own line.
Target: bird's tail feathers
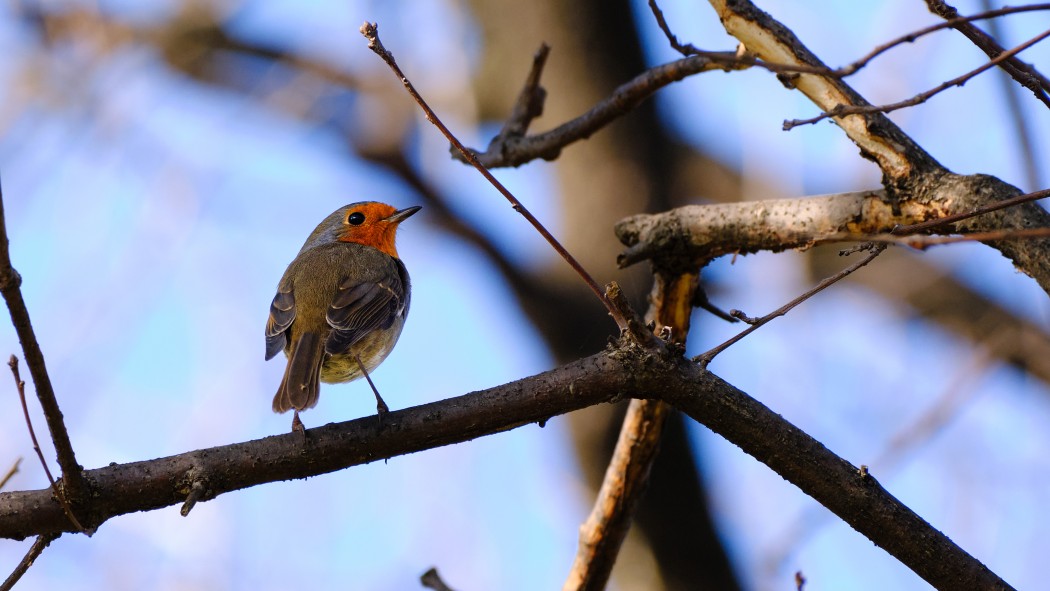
[300, 387]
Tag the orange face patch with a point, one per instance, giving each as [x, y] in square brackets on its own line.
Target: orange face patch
[367, 224]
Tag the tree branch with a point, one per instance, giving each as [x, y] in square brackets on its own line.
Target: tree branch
[922, 97]
[879, 139]
[515, 149]
[627, 475]
[371, 32]
[10, 281]
[694, 233]
[42, 542]
[646, 372]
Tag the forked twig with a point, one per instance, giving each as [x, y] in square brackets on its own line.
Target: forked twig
[371, 32]
[756, 323]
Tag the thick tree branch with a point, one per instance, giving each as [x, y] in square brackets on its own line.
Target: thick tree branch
[645, 372]
[695, 233]
[879, 139]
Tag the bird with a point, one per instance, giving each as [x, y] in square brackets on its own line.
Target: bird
[340, 305]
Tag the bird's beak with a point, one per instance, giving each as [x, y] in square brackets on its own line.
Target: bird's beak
[402, 214]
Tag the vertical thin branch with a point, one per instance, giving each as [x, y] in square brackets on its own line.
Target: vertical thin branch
[627, 475]
[10, 282]
[59, 493]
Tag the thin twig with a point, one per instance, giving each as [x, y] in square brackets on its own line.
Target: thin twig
[924, 242]
[58, 492]
[371, 32]
[10, 473]
[705, 359]
[842, 109]
[72, 472]
[686, 49]
[30, 557]
[950, 219]
[1025, 74]
[953, 22]
[21, 387]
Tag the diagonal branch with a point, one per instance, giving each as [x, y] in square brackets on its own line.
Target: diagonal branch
[41, 543]
[879, 139]
[924, 96]
[371, 32]
[1025, 74]
[518, 149]
[650, 372]
[10, 281]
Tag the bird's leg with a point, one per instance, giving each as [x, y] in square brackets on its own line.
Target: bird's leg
[381, 407]
[297, 425]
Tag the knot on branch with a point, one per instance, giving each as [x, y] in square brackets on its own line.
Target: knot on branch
[9, 279]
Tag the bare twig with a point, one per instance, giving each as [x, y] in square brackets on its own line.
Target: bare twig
[371, 32]
[432, 580]
[843, 109]
[1023, 73]
[952, 22]
[924, 242]
[34, 552]
[10, 473]
[528, 106]
[58, 491]
[72, 478]
[686, 49]
[704, 359]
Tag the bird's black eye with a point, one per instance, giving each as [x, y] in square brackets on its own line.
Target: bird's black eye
[356, 219]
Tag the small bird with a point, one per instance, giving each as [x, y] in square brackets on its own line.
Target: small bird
[340, 305]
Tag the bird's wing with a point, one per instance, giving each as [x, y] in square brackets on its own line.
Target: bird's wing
[359, 308]
[282, 313]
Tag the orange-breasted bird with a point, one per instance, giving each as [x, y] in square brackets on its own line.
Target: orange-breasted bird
[340, 305]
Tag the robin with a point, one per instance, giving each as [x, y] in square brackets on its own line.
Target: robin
[340, 305]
